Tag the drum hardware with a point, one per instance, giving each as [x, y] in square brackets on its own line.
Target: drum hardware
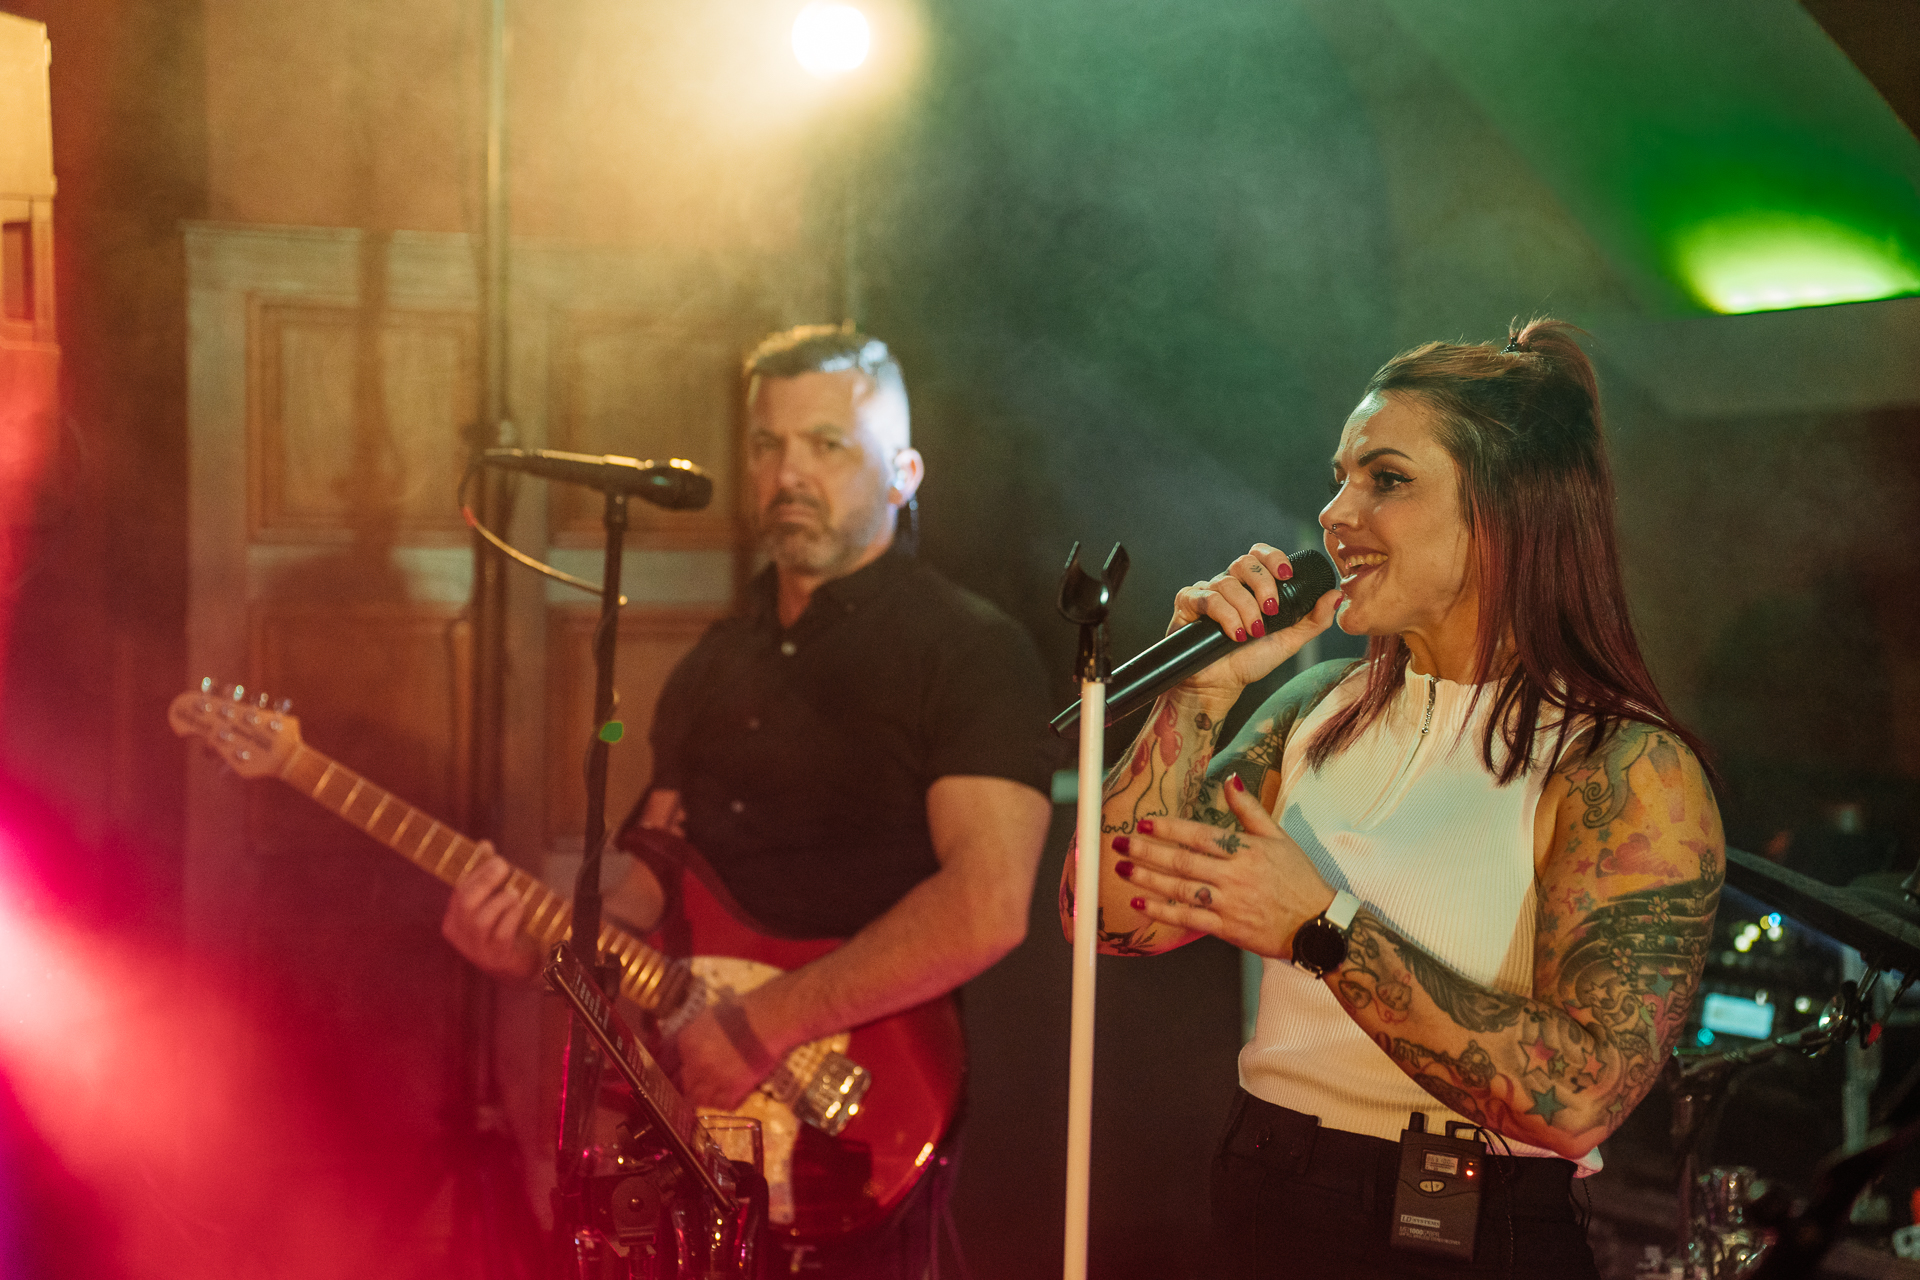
[1732, 1224]
[1725, 1221]
[669, 1204]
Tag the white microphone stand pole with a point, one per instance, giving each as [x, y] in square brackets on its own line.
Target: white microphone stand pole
[1086, 898]
[1084, 600]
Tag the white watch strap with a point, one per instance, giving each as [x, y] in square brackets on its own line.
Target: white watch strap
[1342, 910]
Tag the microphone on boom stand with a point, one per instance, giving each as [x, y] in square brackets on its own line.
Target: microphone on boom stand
[675, 484]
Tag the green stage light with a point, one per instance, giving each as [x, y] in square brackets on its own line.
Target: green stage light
[1774, 261]
[831, 39]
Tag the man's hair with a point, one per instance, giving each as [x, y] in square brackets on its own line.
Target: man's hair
[1522, 422]
[826, 348]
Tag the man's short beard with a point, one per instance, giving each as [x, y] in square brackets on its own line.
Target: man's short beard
[828, 551]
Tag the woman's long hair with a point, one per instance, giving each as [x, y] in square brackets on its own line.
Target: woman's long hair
[1523, 424]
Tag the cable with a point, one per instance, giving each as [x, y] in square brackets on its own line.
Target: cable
[1507, 1175]
[517, 556]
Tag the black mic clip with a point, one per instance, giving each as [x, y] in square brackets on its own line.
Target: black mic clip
[1084, 599]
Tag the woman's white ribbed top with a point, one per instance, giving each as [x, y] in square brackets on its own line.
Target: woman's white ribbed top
[1409, 820]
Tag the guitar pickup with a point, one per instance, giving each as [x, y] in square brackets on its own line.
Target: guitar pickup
[831, 1097]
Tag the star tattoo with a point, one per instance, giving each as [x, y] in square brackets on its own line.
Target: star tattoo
[1545, 1103]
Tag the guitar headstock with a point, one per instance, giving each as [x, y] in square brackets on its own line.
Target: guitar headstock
[254, 736]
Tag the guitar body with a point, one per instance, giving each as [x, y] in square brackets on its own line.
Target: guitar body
[833, 1186]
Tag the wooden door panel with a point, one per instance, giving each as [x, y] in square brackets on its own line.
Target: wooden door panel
[628, 384]
[357, 420]
[380, 687]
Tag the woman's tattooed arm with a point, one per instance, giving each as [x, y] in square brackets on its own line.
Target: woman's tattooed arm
[1625, 913]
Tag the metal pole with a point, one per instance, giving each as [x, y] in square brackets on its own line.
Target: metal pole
[489, 569]
[1086, 897]
[1084, 599]
[850, 218]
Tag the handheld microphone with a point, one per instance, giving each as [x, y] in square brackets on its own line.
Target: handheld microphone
[675, 484]
[1200, 643]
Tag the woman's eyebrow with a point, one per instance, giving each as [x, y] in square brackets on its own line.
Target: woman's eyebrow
[1371, 454]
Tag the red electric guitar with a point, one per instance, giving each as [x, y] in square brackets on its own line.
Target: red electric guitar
[849, 1122]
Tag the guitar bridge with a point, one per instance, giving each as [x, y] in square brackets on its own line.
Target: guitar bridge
[832, 1095]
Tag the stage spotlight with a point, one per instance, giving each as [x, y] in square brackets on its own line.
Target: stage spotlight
[831, 39]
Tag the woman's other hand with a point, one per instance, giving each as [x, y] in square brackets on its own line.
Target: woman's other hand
[1253, 888]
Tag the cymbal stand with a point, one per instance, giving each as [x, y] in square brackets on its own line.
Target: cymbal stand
[1697, 1083]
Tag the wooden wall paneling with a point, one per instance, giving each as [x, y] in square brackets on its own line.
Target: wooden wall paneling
[218, 277]
[255, 296]
[651, 641]
[631, 384]
[43, 295]
[383, 688]
[357, 421]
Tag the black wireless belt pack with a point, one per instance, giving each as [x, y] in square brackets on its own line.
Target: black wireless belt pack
[1436, 1205]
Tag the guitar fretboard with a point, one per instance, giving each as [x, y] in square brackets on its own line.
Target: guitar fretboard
[647, 977]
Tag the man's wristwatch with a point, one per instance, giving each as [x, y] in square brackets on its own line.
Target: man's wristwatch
[1320, 945]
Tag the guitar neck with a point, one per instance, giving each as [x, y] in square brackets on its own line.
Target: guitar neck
[647, 978]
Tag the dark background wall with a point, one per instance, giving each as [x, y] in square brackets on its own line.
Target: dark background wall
[1137, 259]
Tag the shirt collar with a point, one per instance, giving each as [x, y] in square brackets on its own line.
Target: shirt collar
[839, 595]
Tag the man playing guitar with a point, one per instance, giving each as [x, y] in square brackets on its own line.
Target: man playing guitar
[859, 754]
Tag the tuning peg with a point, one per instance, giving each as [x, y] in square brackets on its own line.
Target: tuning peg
[263, 702]
[239, 692]
[284, 706]
[206, 684]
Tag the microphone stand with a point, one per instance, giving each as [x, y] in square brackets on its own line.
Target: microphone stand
[1084, 599]
[583, 1064]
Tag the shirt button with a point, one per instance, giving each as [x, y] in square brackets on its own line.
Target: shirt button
[788, 648]
[738, 806]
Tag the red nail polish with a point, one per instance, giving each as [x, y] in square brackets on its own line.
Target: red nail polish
[1138, 904]
[1237, 784]
[1144, 826]
[1239, 633]
[1121, 844]
[1270, 607]
[1123, 869]
[1284, 572]
[1259, 628]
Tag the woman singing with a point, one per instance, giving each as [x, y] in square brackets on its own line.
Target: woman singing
[1482, 864]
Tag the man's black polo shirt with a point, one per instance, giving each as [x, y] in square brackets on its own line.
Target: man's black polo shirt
[803, 755]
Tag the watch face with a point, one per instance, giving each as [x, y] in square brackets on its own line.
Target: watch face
[1319, 946]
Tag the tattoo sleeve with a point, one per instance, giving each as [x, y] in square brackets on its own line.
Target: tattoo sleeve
[1620, 941]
